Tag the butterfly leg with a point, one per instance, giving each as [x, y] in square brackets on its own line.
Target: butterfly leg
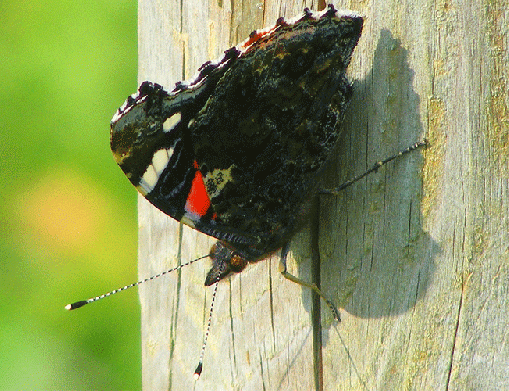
[310, 285]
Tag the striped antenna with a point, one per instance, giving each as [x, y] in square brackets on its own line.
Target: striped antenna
[375, 167]
[199, 368]
[81, 303]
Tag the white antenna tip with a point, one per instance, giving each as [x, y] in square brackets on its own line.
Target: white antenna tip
[78, 304]
[197, 371]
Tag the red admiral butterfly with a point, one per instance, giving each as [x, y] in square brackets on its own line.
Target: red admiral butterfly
[235, 152]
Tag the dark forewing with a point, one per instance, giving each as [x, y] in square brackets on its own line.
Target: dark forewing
[235, 152]
[272, 123]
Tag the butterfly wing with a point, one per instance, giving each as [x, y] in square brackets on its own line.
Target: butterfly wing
[235, 152]
[271, 124]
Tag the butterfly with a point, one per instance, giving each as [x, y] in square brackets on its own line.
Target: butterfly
[235, 152]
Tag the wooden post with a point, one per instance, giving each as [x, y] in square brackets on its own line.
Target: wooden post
[416, 255]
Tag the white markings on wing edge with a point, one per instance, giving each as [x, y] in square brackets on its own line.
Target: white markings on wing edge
[154, 170]
[171, 122]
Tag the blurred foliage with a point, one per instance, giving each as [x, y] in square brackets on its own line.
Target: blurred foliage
[68, 215]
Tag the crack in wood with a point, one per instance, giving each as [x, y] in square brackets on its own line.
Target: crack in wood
[315, 301]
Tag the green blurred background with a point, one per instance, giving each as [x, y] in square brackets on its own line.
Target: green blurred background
[68, 214]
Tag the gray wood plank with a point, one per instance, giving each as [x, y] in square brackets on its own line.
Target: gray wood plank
[416, 254]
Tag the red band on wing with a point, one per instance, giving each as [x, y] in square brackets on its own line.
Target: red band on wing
[198, 201]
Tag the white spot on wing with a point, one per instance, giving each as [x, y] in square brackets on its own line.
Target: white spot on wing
[153, 172]
[160, 161]
[149, 179]
[171, 122]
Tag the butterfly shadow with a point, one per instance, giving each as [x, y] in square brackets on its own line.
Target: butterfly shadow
[375, 258]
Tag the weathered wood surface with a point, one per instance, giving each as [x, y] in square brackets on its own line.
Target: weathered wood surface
[417, 255]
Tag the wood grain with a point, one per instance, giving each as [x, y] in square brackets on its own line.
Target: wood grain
[416, 255]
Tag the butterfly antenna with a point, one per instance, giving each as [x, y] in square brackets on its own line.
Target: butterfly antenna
[199, 368]
[375, 167]
[81, 303]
